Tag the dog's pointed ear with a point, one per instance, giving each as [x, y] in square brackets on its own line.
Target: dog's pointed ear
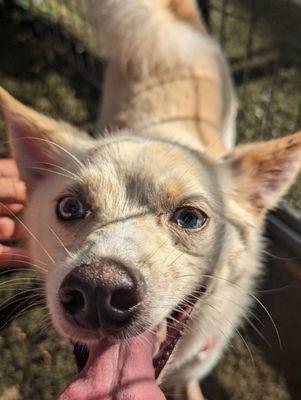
[263, 172]
[37, 141]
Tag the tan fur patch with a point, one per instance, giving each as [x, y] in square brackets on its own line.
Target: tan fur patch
[264, 171]
[186, 10]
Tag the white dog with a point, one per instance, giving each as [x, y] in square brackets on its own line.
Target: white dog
[151, 233]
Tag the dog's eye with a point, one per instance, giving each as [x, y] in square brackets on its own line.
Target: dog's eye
[189, 218]
[70, 208]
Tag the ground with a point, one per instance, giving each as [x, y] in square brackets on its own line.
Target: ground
[38, 69]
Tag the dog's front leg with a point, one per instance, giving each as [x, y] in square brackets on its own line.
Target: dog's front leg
[191, 391]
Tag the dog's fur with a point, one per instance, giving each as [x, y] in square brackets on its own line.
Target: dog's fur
[169, 111]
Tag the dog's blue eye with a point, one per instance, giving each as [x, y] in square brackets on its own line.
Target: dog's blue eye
[189, 218]
[70, 208]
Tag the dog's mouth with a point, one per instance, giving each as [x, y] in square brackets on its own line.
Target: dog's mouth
[173, 329]
[131, 368]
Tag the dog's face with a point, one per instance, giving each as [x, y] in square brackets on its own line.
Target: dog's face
[135, 221]
[130, 228]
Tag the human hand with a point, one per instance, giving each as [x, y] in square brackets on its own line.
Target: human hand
[12, 199]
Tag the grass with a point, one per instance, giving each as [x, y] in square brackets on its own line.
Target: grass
[268, 76]
[35, 362]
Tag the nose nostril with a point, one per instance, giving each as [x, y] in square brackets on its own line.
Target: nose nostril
[124, 300]
[73, 301]
[105, 295]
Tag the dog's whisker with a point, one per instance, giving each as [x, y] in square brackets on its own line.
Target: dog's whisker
[213, 295]
[260, 334]
[15, 299]
[59, 240]
[270, 318]
[58, 146]
[29, 270]
[175, 260]
[21, 290]
[21, 279]
[26, 258]
[238, 333]
[22, 312]
[29, 231]
[10, 289]
[45, 327]
[72, 174]
[45, 323]
[180, 308]
[15, 288]
[276, 290]
[245, 316]
[280, 258]
[37, 268]
[168, 255]
[51, 172]
[151, 256]
[234, 284]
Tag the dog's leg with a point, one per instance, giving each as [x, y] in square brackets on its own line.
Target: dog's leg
[194, 391]
[191, 391]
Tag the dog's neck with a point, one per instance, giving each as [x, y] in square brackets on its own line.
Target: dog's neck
[193, 119]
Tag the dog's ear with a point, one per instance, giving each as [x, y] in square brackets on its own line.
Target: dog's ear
[264, 171]
[38, 142]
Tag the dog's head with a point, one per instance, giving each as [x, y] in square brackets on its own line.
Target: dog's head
[130, 227]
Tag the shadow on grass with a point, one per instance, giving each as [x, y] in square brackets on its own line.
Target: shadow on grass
[35, 55]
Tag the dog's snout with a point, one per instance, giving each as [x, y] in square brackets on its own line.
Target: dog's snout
[105, 294]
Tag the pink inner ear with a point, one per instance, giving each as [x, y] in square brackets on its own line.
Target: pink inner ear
[264, 171]
[280, 175]
[272, 182]
[31, 152]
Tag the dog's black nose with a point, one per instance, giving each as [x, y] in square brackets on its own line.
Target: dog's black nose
[105, 294]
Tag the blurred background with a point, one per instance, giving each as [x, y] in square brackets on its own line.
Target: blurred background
[49, 60]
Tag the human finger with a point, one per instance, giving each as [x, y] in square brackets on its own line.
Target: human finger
[8, 168]
[11, 230]
[12, 190]
[10, 209]
[13, 257]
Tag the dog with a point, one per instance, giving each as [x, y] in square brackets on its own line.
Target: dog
[150, 234]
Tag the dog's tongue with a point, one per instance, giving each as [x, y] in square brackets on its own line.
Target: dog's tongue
[119, 371]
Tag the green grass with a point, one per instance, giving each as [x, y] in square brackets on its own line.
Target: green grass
[269, 77]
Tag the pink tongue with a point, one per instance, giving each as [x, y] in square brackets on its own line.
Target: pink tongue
[120, 371]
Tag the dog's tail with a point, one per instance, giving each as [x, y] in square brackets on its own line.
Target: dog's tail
[147, 35]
